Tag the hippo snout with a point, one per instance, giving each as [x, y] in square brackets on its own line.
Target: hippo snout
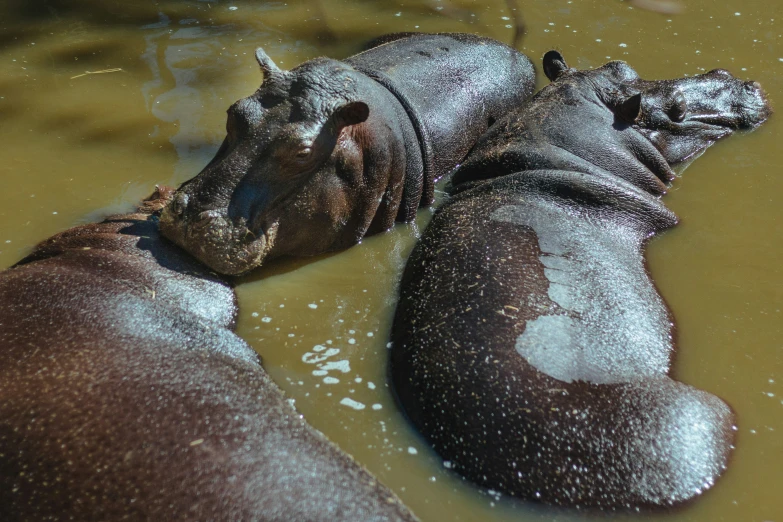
[225, 245]
[755, 104]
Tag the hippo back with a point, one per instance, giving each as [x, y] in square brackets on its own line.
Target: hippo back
[481, 78]
[125, 394]
[526, 308]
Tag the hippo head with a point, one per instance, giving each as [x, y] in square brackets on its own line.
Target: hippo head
[608, 121]
[300, 171]
[681, 118]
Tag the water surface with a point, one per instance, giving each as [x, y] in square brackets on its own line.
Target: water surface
[77, 145]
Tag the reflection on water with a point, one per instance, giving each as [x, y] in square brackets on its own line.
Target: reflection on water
[77, 147]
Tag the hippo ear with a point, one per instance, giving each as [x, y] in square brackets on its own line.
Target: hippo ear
[630, 110]
[554, 65]
[268, 67]
[351, 113]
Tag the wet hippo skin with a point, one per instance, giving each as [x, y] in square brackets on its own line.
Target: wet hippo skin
[530, 346]
[125, 394]
[331, 151]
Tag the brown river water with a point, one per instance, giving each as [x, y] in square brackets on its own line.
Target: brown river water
[77, 144]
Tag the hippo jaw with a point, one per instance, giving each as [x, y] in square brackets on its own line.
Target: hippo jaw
[226, 246]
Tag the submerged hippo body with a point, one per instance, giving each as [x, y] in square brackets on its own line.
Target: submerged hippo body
[331, 151]
[530, 346]
[125, 394]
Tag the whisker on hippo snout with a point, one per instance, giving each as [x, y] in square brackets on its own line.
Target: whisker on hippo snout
[249, 235]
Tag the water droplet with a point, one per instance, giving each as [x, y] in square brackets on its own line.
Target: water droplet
[352, 404]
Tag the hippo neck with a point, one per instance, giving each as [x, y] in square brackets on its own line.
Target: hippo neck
[524, 143]
[418, 186]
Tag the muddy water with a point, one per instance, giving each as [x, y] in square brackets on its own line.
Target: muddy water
[77, 143]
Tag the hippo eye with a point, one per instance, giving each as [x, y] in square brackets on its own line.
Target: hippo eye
[677, 110]
[304, 152]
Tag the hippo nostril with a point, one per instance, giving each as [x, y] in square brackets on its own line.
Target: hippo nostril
[207, 216]
[179, 204]
[752, 86]
[206, 220]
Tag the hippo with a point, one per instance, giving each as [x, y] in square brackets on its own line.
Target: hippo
[125, 394]
[530, 346]
[332, 151]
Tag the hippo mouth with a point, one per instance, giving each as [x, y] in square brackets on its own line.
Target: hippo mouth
[227, 247]
[748, 119]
